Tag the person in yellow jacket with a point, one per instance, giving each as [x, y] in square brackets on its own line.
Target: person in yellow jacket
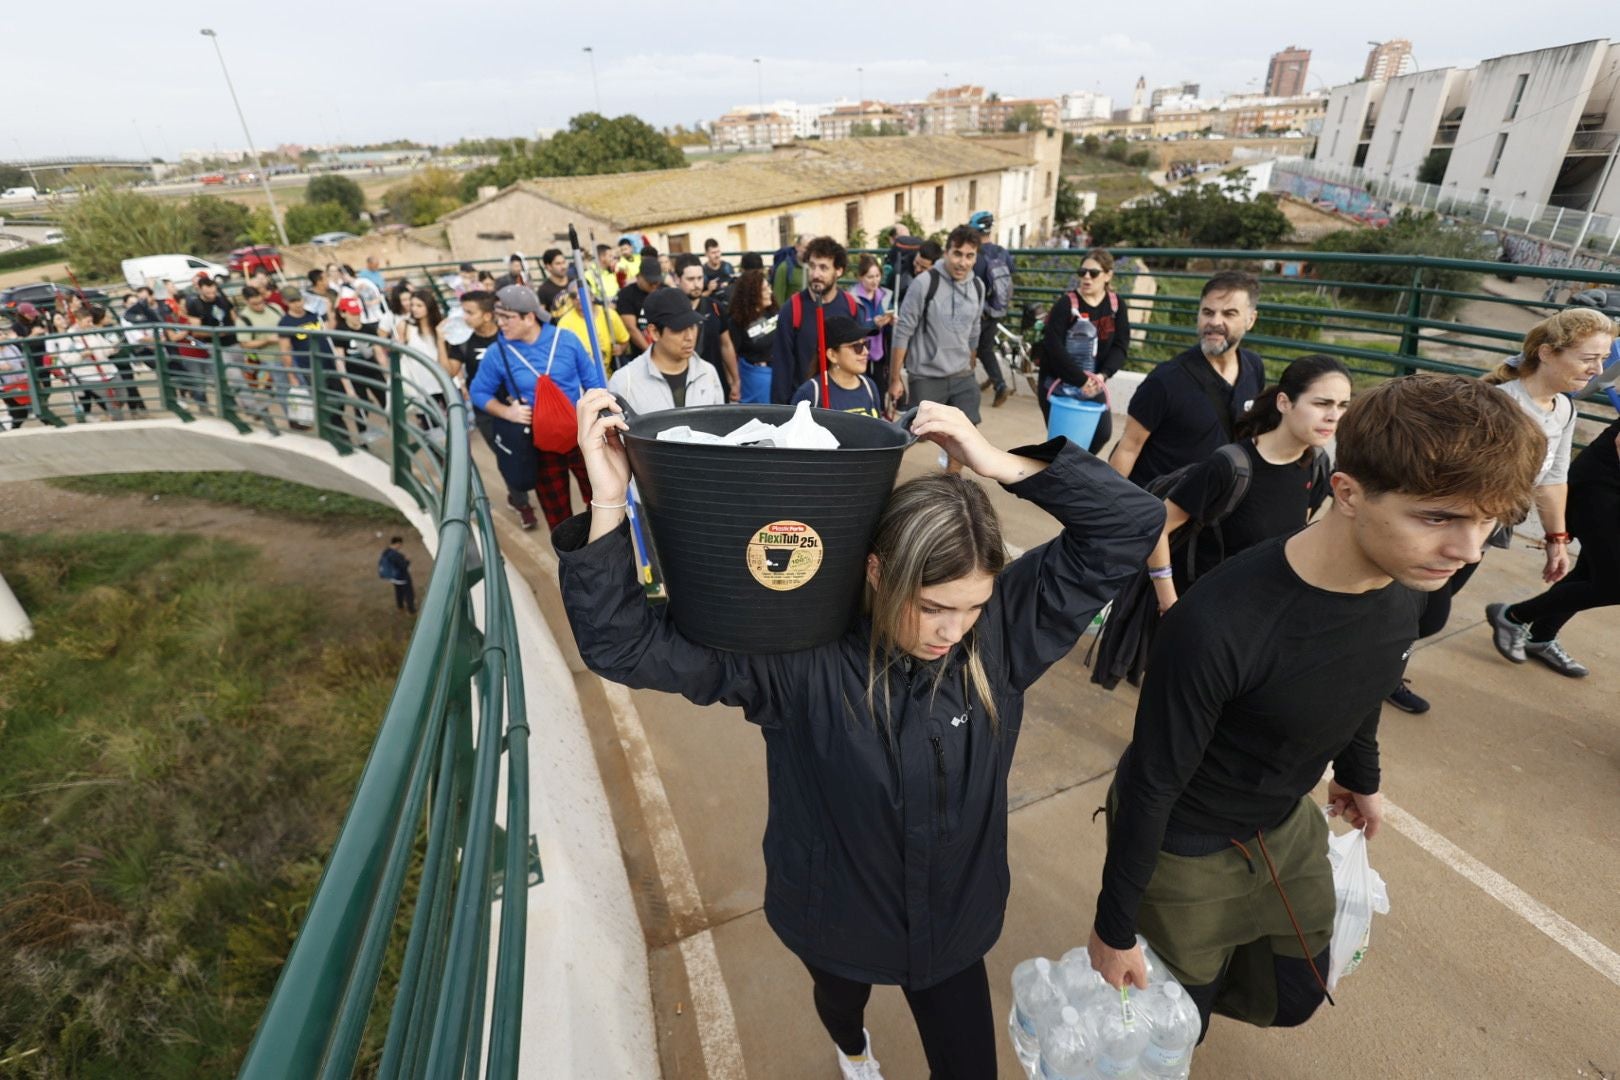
[611, 335]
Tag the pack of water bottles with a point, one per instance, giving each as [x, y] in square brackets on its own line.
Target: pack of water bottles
[1069, 1024]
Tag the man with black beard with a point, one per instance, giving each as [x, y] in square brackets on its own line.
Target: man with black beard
[1186, 408]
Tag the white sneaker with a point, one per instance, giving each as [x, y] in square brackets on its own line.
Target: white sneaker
[866, 1068]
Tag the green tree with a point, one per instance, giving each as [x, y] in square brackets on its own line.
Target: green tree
[1091, 145]
[1118, 150]
[331, 188]
[424, 198]
[11, 176]
[1408, 233]
[1433, 169]
[107, 225]
[307, 220]
[1197, 215]
[1026, 116]
[1067, 208]
[594, 145]
[220, 223]
[1140, 159]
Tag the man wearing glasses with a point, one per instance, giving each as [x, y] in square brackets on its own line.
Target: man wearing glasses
[524, 350]
[842, 383]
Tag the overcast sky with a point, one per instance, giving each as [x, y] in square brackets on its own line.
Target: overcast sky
[141, 81]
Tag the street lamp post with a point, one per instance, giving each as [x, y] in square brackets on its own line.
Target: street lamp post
[595, 87]
[258, 164]
[860, 79]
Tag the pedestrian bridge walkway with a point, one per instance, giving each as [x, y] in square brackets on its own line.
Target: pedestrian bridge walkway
[641, 949]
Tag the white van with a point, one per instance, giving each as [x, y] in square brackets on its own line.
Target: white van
[180, 269]
[18, 193]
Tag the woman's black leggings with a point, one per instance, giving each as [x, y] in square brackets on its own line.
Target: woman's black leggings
[1594, 582]
[953, 1018]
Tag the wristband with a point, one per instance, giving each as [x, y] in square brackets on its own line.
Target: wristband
[1160, 573]
[609, 506]
[1556, 538]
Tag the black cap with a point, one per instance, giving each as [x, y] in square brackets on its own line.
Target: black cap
[669, 309]
[843, 330]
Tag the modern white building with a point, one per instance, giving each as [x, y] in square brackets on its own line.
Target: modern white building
[1086, 105]
[1532, 128]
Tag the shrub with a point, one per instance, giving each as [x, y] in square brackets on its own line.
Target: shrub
[1410, 233]
[331, 188]
[308, 220]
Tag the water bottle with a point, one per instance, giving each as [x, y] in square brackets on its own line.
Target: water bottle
[1036, 1003]
[1077, 979]
[1064, 1048]
[1122, 1035]
[1156, 971]
[1173, 1029]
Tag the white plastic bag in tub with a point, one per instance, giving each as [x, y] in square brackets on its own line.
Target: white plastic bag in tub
[1358, 893]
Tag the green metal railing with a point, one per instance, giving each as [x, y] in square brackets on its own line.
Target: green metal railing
[426, 809]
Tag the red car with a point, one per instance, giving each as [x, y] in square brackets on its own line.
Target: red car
[214, 178]
[248, 259]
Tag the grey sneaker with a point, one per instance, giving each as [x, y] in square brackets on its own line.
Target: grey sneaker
[1508, 636]
[1553, 655]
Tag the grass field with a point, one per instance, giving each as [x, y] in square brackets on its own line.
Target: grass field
[247, 490]
[178, 744]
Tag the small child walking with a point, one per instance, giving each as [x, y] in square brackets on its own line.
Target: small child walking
[394, 567]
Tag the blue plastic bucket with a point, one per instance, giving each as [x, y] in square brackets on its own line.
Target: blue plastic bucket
[756, 383]
[1075, 419]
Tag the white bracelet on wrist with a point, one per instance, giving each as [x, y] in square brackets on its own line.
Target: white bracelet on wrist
[609, 506]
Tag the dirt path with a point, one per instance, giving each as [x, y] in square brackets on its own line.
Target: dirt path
[338, 559]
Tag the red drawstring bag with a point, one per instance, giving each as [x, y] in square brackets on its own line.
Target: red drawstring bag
[552, 422]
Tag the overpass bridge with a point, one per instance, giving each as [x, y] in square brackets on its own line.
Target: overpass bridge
[642, 951]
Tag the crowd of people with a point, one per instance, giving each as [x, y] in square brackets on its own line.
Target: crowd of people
[1257, 540]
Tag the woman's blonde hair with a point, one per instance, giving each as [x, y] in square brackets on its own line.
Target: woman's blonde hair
[1557, 333]
[934, 529]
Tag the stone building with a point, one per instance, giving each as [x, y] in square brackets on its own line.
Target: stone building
[840, 188]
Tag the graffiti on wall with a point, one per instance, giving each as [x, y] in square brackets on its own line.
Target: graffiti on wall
[1345, 199]
[1528, 251]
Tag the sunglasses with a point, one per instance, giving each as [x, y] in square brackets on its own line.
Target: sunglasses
[1091, 271]
[862, 347]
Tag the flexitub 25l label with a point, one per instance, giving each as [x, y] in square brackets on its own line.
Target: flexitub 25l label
[784, 555]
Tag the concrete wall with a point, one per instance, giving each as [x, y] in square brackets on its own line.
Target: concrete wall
[393, 249]
[1559, 82]
[1347, 112]
[1399, 146]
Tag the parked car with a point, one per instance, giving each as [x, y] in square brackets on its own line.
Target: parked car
[183, 269]
[18, 193]
[44, 295]
[331, 239]
[245, 260]
[54, 236]
[213, 178]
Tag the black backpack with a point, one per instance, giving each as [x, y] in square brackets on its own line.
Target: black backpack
[1184, 541]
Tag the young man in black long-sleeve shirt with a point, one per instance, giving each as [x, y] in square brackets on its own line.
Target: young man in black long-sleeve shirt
[1274, 667]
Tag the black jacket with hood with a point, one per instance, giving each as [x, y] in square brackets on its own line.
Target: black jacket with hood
[886, 845]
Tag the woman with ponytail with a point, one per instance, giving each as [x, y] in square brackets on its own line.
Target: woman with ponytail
[1279, 441]
[888, 749]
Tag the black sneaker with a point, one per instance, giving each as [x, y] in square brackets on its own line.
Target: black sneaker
[1553, 655]
[1404, 699]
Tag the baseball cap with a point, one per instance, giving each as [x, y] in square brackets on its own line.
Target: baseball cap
[291, 293]
[518, 298]
[349, 305]
[468, 268]
[843, 330]
[27, 310]
[204, 278]
[669, 309]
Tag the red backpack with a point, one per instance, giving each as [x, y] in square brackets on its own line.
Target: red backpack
[796, 303]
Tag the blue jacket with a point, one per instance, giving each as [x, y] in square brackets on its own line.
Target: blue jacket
[886, 841]
[503, 369]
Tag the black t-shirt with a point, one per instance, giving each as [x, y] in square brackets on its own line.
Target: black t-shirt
[215, 312]
[470, 354]
[547, 292]
[753, 342]
[630, 301]
[1256, 682]
[714, 324]
[723, 274]
[1179, 413]
[1279, 499]
[677, 386]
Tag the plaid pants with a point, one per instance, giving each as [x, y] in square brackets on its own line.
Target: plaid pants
[552, 484]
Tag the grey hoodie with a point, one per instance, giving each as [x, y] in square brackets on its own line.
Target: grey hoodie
[945, 343]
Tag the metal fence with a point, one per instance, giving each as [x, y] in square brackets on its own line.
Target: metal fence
[1579, 230]
[425, 821]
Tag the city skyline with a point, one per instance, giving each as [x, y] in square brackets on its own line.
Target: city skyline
[298, 87]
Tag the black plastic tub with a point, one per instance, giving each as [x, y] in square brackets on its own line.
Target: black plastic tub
[763, 550]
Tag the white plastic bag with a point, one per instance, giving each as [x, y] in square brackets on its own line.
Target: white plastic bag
[1358, 893]
[300, 405]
